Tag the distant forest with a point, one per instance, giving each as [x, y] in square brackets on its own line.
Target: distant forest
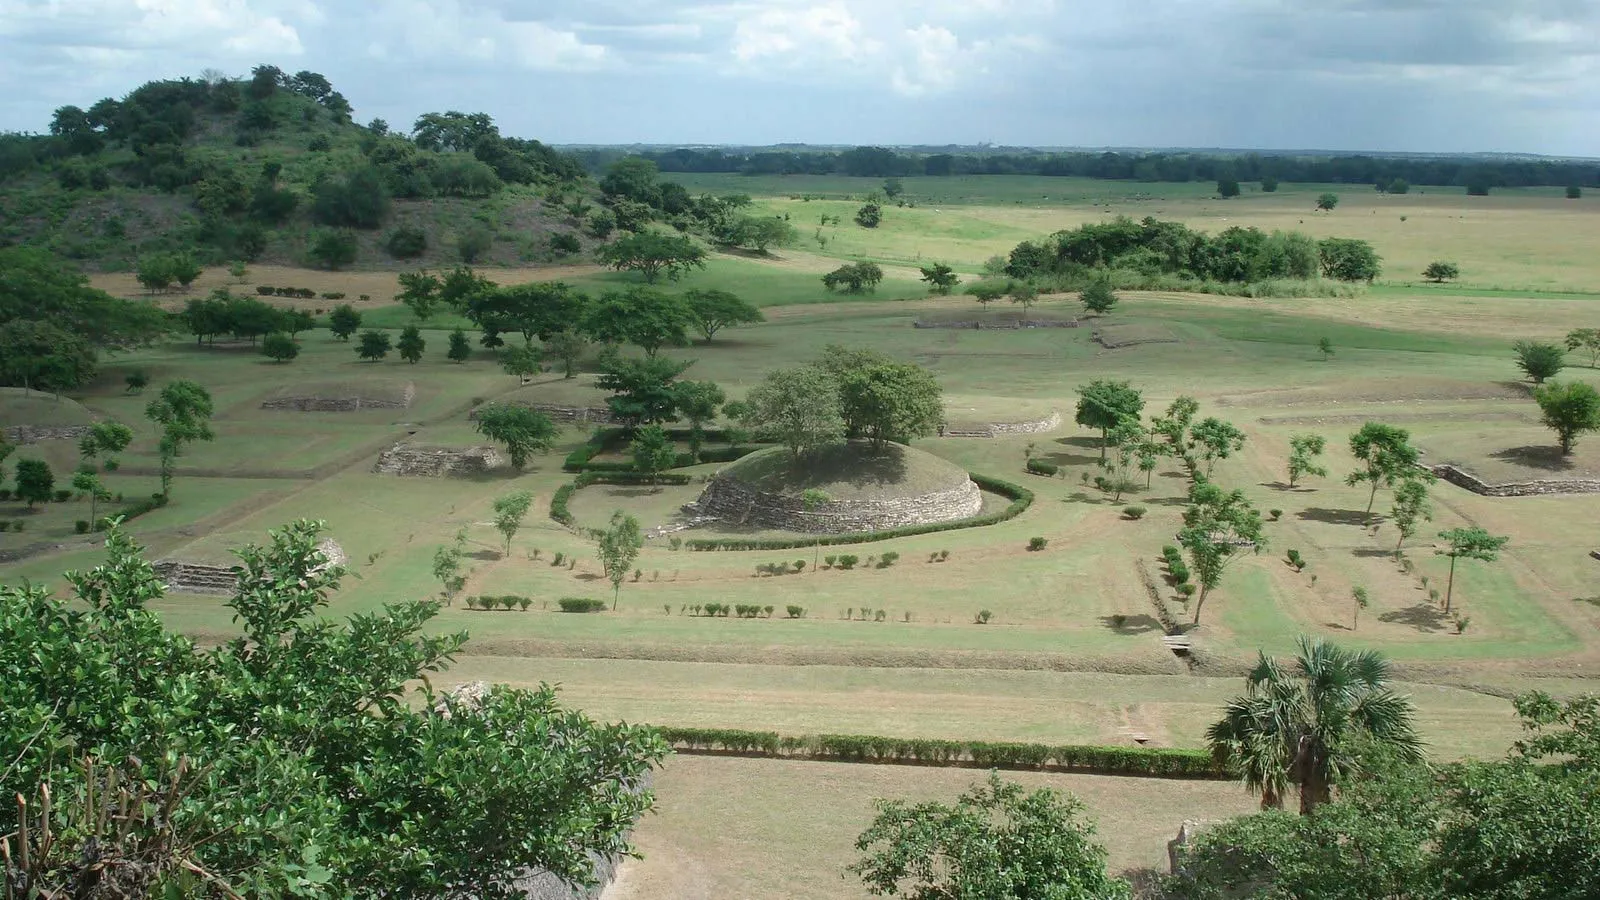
[880, 162]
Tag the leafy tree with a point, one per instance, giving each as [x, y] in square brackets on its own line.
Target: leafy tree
[279, 347]
[536, 310]
[1215, 439]
[39, 354]
[104, 438]
[523, 431]
[569, 347]
[618, 546]
[183, 411]
[1325, 347]
[941, 278]
[646, 318]
[1539, 360]
[155, 273]
[854, 278]
[1173, 426]
[698, 402]
[509, 511]
[1327, 201]
[38, 285]
[1128, 439]
[295, 321]
[406, 242]
[1304, 451]
[653, 254]
[1387, 456]
[987, 292]
[1097, 297]
[86, 481]
[1399, 186]
[411, 344]
[306, 804]
[355, 199]
[643, 392]
[185, 269]
[756, 232]
[713, 310]
[1025, 293]
[565, 243]
[1359, 599]
[1410, 509]
[893, 187]
[447, 568]
[1218, 527]
[652, 451]
[460, 348]
[1569, 409]
[473, 242]
[1468, 543]
[1574, 192]
[1348, 259]
[997, 842]
[374, 345]
[1439, 272]
[798, 408]
[869, 215]
[890, 402]
[1227, 188]
[35, 482]
[1587, 340]
[1302, 727]
[331, 248]
[343, 321]
[1269, 184]
[1104, 404]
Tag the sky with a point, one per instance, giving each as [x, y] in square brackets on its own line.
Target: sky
[1399, 75]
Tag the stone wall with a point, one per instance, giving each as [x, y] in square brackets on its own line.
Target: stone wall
[731, 500]
[197, 578]
[1012, 325]
[579, 415]
[32, 434]
[1465, 479]
[409, 460]
[341, 404]
[994, 429]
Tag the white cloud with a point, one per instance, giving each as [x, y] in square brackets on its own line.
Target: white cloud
[795, 37]
[454, 32]
[199, 27]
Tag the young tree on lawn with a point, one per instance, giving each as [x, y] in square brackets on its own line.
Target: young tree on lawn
[35, 482]
[1025, 293]
[1586, 340]
[87, 482]
[869, 216]
[1539, 360]
[1125, 440]
[652, 451]
[814, 499]
[279, 347]
[183, 411]
[1215, 439]
[520, 361]
[643, 390]
[1359, 600]
[1387, 455]
[646, 318]
[1304, 727]
[798, 408]
[568, 346]
[619, 546]
[1304, 452]
[1218, 527]
[460, 348]
[535, 310]
[940, 278]
[104, 439]
[1410, 509]
[411, 344]
[890, 402]
[447, 568]
[1104, 404]
[1440, 272]
[698, 402]
[987, 292]
[1569, 409]
[344, 321]
[1173, 426]
[509, 511]
[653, 254]
[997, 842]
[1468, 543]
[523, 431]
[373, 346]
[1098, 297]
[1149, 451]
[1325, 347]
[1326, 202]
[713, 310]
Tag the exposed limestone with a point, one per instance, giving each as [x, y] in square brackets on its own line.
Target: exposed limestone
[580, 415]
[411, 460]
[731, 500]
[32, 434]
[994, 429]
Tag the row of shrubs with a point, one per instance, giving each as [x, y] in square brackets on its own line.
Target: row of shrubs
[60, 496]
[1177, 570]
[267, 290]
[1145, 761]
[507, 602]
[581, 605]
[83, 526]
[613, 438]
[741, 610]
[1021, 498]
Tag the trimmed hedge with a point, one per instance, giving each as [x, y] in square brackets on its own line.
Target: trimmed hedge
[1040, 467]
[613, 437]
[1021, 498]
[726, 454]
[1141, 761]
[581, 605]
[559, 502]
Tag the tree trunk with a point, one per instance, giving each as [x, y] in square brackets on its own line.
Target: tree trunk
[1105, 435]
[1314, 791]
[1371, 498]
[1271, 799]
[1199, 602]
[1450, 584]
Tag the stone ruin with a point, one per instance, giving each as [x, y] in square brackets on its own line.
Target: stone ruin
[995, 429]
[1002, 324]
[730, 500]
[1465, 479]
[346, 401]
[197, 578]
[411, 460]
[575, 415]
[32, 434]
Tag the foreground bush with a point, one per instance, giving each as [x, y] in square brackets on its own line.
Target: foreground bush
[581, 605]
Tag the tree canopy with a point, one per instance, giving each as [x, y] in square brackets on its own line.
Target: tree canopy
[890, 401]
[1104, 404]
[713, 310]
[643, 390]
[523, 431]
[798, 408]
[1569, 409]
[645, 317]
[653, 254]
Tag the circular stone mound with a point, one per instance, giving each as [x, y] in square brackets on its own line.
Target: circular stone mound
[868, 492]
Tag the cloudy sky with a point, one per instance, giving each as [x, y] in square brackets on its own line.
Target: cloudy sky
[1412, 75]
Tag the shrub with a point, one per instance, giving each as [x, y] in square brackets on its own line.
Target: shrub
[1296, 560]
[1037, 543]
[524, 603]
[81, 526]
[983, 617]
[1186, 591]
[1040, 467]
[406, 242]
[581, 605]
[767, 610]
[848, 561]
[799, 565]
[1276, 514]
[1461, 624]
[944, 555]
[62, 496]
[879, 616]
[265, 290]
[830, 560]
[795, 612]
[565, 242]
[1134, 512]
[888, 559]
[471, 602]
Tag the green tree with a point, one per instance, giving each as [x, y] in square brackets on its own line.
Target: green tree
[331, 248]
[1215, 439]
[1097, 297]
[893, 187]
[1439, 272]
[1269, 184]
[536, 310]
[653, 254]
[652, 451]
[104, 438]
[712, 310]
[569, 347]
[279, 347]
[1468, 543]
[854, 278]
[618, 546]
[447, 568]
[473, 242]
[643, 390]
[155, 273]
[1173, 426]
[1227, 188]
[698, 402]
[38, 354]
[869, 215]
[1126, 440]
[1386, 455]
[1025, 293]
[1219, 527]
[411, 344]
[182, 410]
[343, 321]
[1359, 600]
[646, 318]
[1327, 201]
[1539, 360]
[1569, 409]
[1103, 404]
[941, 279]
[997, 842]
[798, 408]
[509, 511]
[521, 362]
[890, 401]
[460, 348]
[1325, 347]
[40, 286]
[523, 431]
[1304, 451]
[374, 345]
[1348, 259]
[1587, 340]
[86, 481]
[35, 482]
[1410, 509]
[1301, 727]
[987, 292]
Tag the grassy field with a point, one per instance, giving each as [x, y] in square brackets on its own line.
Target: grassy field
[1055, 661]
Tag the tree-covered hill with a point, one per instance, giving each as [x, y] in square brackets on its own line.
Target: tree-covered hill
[274, 168]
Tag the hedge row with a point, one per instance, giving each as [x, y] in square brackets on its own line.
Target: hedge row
[559, 502]
[611, 438]
[1143, 761]
[1040, 467]
[581, 605]
[1021, 498]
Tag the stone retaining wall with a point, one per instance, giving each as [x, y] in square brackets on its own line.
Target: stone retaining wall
[197, 578]
[340, 404]
[32, 434]
[1465, 479]
[580, 415]
[731, 500]
[408, 460]
[980, 325]
[993, 429]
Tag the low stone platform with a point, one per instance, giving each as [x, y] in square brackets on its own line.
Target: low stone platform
[578, 415]
[33, 434]
[413, 461]
[995, 429]
[197, 578]
[341, 401]
[1462, 478]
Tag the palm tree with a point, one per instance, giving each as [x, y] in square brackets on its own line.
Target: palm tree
[1301, 727]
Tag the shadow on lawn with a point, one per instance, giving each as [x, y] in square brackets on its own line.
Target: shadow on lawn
[1333, 516]
[1536, 457]
[1132, 624]
[1423, 617]
[1372, 553]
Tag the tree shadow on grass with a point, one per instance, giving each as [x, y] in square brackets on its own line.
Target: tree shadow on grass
[1372, 553]
[1288, 488]
[1164, 501]
[1520, 387]
[1423, 617]
[1132, 624]
[1548, 459]
[1069, 459]
[1333, 516]
[1087, 443]
[485, 555]
[590, 576]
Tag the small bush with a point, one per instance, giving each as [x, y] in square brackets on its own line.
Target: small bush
[767, 610]
[795, 612]
[558, 559]
[524, 603]
[1040, 467]
[1037, 543]
[1275, 514]
[1186, 590]
[848, 561]
[1296, 560]
[81, 526]
[675, 543]
[1461, 624]
[406, 242]
[330, 295]
[888, 559]
[879, 616]
[265, 290]
[62, 496]
[581, 605]
[830, 560]
[1134, 512]
[799, 565]
[983, 617]
[471, 602]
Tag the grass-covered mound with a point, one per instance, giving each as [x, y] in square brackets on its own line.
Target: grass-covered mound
[849, 472]
[40, 409]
